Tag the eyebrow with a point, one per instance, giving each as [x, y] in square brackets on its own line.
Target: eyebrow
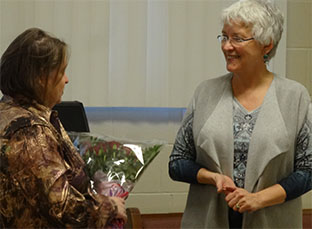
[234, 34]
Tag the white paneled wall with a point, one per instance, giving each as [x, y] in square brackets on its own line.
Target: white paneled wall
[137, 53]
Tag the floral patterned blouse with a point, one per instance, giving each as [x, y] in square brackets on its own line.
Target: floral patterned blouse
[43, 183]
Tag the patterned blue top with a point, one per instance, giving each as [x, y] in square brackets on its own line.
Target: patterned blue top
[182, 165]
[243, 125]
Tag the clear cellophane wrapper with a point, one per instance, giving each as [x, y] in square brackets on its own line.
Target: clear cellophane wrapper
[114, 165]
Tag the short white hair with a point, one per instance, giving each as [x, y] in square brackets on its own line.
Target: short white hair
[265, 19]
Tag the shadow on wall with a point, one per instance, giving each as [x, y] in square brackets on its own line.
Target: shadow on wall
[135, 114]
[136, 123]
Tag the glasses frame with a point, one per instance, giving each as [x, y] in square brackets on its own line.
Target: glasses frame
[236, 41]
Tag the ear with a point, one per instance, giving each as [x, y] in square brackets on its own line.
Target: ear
[268, 48]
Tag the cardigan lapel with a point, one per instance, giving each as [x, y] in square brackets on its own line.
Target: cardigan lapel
[269, 138]
[216, 136]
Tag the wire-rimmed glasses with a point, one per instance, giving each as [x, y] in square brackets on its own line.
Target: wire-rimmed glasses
[236, 41]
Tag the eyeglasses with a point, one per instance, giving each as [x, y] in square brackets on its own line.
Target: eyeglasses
[236, 41]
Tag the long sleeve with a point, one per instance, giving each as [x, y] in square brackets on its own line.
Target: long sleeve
[182, 165]
[43, 180]
[300, 181]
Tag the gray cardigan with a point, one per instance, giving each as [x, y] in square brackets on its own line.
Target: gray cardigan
[270, 156]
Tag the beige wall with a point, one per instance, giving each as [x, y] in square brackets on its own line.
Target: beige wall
[299, 51]
[299, 42]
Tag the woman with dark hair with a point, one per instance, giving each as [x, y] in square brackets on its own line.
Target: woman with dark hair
[245, 144]
[43, 182]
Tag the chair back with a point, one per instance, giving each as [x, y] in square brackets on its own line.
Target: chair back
[73, 116]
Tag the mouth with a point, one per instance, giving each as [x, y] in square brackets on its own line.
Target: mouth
[232, 57]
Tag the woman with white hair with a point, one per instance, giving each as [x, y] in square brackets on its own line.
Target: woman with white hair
[245, 144]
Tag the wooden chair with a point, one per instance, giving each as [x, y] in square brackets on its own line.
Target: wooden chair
[134, 219]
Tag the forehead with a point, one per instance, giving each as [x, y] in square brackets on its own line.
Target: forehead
[237, 28]
[64, 63]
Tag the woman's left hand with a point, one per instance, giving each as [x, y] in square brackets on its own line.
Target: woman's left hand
[241, 200]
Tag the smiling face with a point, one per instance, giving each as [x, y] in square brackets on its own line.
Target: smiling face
[243, 57]
[55, 86]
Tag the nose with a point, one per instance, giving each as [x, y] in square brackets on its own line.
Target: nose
[66, 78]
[227, 45]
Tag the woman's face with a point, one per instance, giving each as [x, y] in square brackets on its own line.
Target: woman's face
[55, 86]
[241, 57]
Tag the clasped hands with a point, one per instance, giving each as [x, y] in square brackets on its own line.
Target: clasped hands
[238, 199]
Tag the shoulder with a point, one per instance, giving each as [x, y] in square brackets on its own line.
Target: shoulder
[217, 81]
[293, 89]
[212, 86]
[292, 96]
[17, 118]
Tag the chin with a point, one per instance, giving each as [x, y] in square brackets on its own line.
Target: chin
[232, 68]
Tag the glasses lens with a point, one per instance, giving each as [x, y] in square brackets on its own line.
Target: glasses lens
[221, 38]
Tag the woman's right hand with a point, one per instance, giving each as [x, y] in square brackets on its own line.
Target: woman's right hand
[222, 182]
[121, 208]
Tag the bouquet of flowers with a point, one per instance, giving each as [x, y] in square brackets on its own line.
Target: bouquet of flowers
[114, 166]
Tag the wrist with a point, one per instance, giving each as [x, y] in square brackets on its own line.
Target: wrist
[271, 196]
[260, 199]
[206, 177]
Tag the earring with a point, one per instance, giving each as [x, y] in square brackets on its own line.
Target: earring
[266, 57]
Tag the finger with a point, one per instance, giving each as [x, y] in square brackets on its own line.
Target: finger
[236, 207]
[241, 210]
[233, 202]
[226, 193]
[244, 208]
[229, 189]
[230, 196]
[219, 189]
[234, 199]
[125, 218]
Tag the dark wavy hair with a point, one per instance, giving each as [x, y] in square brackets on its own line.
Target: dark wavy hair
[31, 57]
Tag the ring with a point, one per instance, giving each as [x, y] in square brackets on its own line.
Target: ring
[237, 206]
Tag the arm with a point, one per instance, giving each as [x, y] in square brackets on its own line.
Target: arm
[241, 200]
[183, 167]
[42, 175]
[300, 181]
[223, 183]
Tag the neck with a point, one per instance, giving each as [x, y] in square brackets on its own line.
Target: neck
[252, 79]
[250, 89]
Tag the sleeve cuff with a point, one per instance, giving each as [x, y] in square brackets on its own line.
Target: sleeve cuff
[296, 184]
[184, 170]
